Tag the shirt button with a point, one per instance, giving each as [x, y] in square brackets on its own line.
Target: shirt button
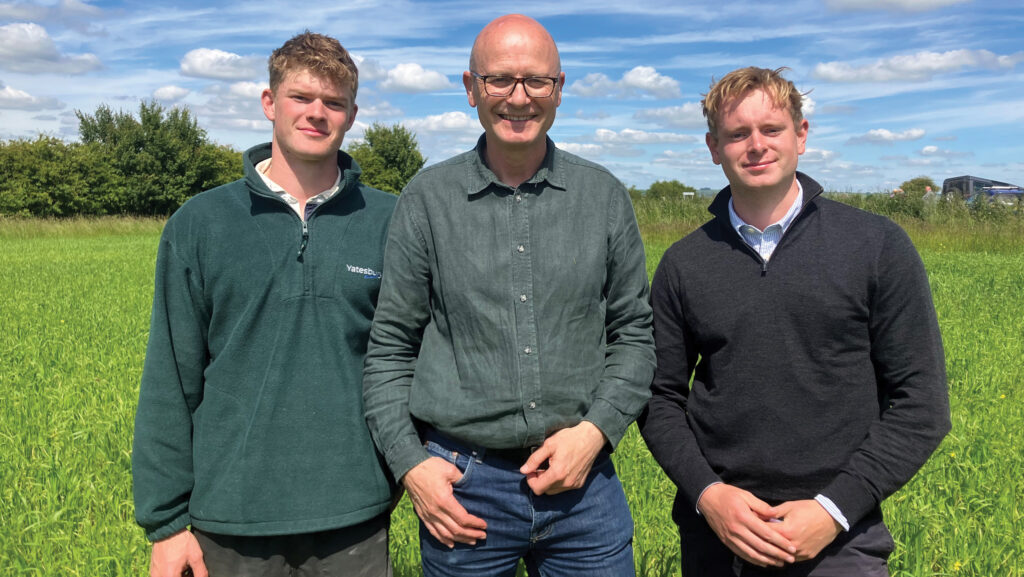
[522, 298]
[519, 197]
[527, 350]
[533, 405]
[521, 248]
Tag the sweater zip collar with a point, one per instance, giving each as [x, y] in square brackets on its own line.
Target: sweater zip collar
[349, 180]
[720, 209]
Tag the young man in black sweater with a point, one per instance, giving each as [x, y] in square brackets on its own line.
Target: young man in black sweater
[818, 379]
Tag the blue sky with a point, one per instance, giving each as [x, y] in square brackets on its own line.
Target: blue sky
[898, 88]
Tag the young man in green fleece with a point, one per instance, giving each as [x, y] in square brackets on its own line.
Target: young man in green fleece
[250, 425]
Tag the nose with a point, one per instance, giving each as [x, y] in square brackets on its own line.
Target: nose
[315, 108]
[756, 142]
[518, 97]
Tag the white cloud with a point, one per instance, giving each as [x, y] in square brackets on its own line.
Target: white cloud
[234, 106]
[447, 122]
[242, 124]
[12, 98]
[698, 158]
[77, 8]
[638, 82]
[22, 11]
[247, 90]
[936, 152]
[883, 136]
[221, 65]
[170, 93]
[593, 85]
[646, 79]
[380, 109]
[897, 5]
[369, 69]
[817, 156]
[66, 9]
[631, 136]
[26, 47]
[410, 77]
[919, 67]
[807, 105]
[689, 115]
[586, 150]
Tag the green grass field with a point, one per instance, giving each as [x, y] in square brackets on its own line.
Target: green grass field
[74, 314]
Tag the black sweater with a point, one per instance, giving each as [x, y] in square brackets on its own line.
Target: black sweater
[820, 371]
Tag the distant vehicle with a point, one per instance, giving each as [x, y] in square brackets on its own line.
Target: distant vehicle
[1012, 196]
[969, 187]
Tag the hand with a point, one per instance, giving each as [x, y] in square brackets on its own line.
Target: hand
[744, 524]
[569, 454]
[171, 556]
[807, 525]
[429, 485]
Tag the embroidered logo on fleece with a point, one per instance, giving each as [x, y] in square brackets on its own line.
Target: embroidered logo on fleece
[366, 272]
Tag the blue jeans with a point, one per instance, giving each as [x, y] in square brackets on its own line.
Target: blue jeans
[588, 531]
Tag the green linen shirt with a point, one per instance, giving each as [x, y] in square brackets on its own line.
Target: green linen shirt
[506, 314]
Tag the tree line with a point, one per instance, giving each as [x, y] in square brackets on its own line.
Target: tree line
[150, 163]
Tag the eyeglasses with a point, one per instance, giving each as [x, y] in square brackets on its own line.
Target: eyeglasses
[503, 86]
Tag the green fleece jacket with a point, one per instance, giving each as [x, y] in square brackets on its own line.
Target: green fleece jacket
[250, 417]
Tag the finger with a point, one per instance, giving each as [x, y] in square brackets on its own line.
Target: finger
[759, 507]
[453, 510]
[541, 483]
[437, 532]
[533, 464]
[779, 541]
[456, 532]
[198, 567]
[753, 555]
[780, 511]
[769, 546]
[747, 554]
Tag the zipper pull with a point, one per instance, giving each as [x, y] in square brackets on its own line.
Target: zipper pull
[764, 267]
[305, 239]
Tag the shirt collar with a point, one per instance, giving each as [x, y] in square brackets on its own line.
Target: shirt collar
[786, 220]
[552, 168]
[263, 169]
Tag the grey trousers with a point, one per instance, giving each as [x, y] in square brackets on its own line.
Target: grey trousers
[357, 551]
[860, 552]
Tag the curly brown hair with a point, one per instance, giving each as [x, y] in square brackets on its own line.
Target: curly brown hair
[321, 55]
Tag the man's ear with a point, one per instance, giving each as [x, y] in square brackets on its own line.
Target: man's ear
[801, 136]
[469, 82]
[558, 89]
[267, 100]
[352, 117]
[712, 143]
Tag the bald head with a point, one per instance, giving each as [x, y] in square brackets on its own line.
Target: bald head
[513, 32]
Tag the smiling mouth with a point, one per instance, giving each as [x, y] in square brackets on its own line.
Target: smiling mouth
[515, 118]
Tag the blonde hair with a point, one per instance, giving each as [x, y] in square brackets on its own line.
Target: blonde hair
[321, 55]
[741, 82]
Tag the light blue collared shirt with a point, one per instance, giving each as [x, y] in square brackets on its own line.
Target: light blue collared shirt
[764, 242]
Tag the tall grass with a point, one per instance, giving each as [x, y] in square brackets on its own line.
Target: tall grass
[74, 310]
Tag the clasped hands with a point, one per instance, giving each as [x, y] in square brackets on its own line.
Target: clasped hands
[765, 535]
[561, 463]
